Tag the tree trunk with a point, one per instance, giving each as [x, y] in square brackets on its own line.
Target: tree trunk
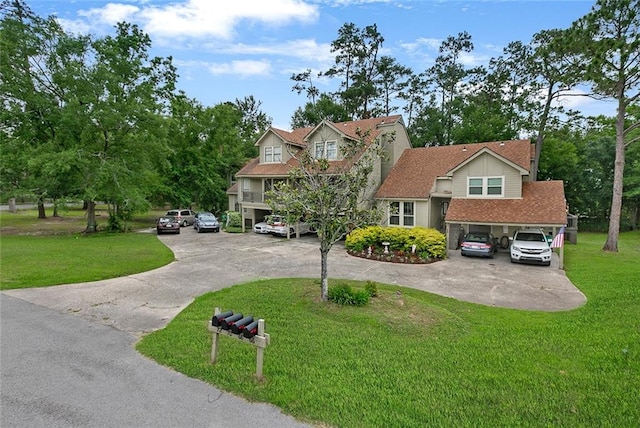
[541, 131]
[41, 212]
[55, 208]
[12, 205]
[324, 279]
[618, 172]
[91, 217]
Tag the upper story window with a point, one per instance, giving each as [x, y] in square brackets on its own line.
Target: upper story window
[485, 186]
[272, 154]
[401, 213]
[326, 150]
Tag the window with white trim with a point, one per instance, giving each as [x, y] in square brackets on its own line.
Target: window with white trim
[326, 150]
[485, 186]
[401, 213]
[272, 154]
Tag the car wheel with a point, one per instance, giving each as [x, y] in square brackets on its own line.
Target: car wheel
[178, 232]
[159, 231]
[185, 223]
[547, 264]
[512, 259]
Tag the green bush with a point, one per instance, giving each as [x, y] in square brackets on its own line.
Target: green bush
[234, 219]
[343, 294]
[429, 243]
[371, 288]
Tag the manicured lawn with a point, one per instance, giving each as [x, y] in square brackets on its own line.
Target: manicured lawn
[39, 261]
[412, 359]
[41, 252]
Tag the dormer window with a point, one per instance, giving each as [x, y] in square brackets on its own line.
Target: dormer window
[272, 154]
[485, 187]
[326, 150]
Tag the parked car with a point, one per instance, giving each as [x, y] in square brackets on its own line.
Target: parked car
[206, 221]
[276, 226]
[167, 224]
[262, 227]
[481, 244]
[530, 246]
[185, 217]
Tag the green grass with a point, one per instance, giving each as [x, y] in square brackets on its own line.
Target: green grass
[413, 359]
[39, 261]
[42, 252]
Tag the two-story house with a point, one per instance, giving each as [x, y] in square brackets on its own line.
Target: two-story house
[472, 187]
[279, 150]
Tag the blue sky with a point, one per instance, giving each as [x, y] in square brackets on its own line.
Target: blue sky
[230, 49]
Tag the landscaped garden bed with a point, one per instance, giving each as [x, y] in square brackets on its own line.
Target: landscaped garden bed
[417, 245]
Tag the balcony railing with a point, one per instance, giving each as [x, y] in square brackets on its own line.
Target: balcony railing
[259, 197]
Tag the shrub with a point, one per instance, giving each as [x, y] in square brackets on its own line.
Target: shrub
[234, 219]
[343, 294]
[429, 242]
[371, 288]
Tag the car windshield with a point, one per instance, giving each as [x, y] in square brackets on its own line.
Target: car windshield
[166, 219]
[476, 238]
[207, 217]
[531, 237]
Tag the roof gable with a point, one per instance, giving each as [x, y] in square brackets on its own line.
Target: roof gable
[414, 175]
[487, 150]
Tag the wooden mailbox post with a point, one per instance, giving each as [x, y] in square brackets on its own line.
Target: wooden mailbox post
[260, 340]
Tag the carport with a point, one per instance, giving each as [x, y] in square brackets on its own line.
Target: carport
[542, 206]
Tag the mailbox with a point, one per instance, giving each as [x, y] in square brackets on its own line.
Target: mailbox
[240, 325]
[216, 321]
[250, 330]
[229, 321]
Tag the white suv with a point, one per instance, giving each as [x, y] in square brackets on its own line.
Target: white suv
[530, 246]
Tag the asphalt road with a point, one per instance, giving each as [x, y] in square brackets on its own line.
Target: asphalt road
[67, 356]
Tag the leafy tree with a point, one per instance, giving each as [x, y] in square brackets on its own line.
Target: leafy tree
[356, 62]
[313, 113]
[413, 95]
[333, 197]
[607, 41]
[31, 97]
[447, 76]
[391, 78]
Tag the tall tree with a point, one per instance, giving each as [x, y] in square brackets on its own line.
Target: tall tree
[447, 76]
[313, 113]
[31, 99]
[391, 78]
[333, 197]
[356, 61]
[607, 40]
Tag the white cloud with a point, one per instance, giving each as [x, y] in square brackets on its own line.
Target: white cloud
[206, 18]
[304, 49]
[241, 68]
[111, 13]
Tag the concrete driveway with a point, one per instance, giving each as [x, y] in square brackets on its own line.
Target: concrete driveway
[207, 262]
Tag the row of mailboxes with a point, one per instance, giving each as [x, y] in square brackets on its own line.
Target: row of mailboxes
[236, 323]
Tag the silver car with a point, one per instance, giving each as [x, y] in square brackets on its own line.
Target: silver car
[205, 222]
[185, 217]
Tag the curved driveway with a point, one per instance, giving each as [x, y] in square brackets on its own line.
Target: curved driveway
[147, 301]
[59, 370]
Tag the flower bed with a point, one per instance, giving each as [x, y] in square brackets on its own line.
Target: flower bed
[392, 256]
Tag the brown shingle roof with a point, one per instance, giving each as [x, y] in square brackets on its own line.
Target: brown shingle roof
[414, 174]
[298, 137]
[233, 190]
[542, 203]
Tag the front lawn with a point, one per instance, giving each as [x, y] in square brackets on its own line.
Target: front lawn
[413, 359]
[39, 261]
